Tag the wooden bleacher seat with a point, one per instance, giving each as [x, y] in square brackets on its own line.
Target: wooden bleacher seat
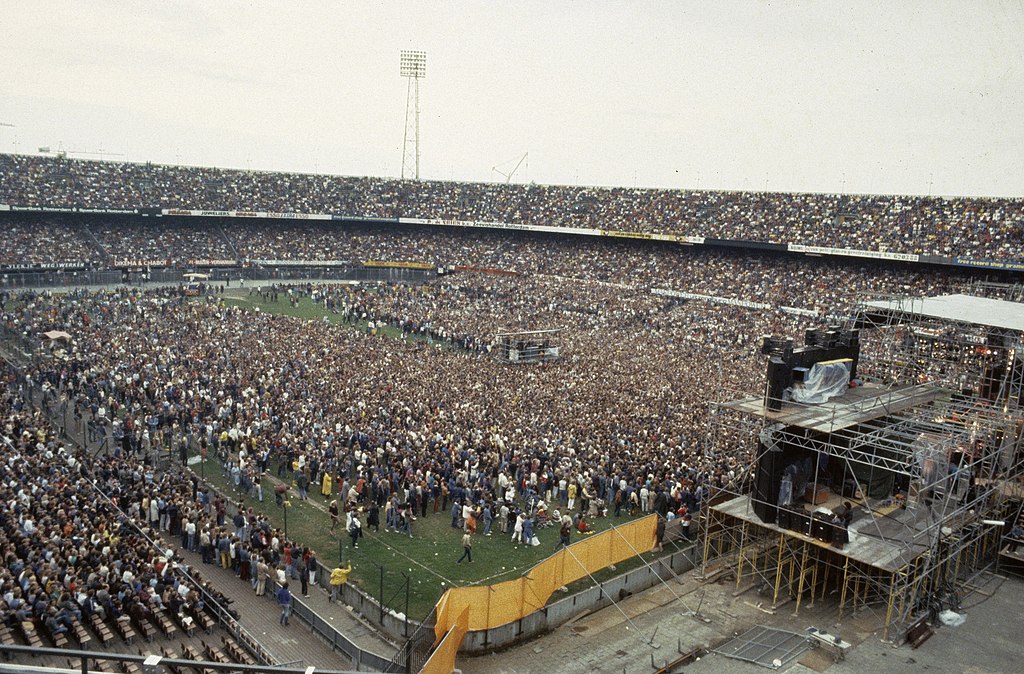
[168, 653]
[191, 653]
[186, 623]
[237, 653]
[124, 629]
[100, 629]
[30, 633]
[80, 634]
[144, 627]
[214, 653]
[163, 622]
[205, 621]
[6, 638]
[60, 639]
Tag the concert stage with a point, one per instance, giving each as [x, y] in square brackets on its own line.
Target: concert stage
[856, 406]
[886, 538]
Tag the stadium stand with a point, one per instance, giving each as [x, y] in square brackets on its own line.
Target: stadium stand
[981, 228]
[77, 568]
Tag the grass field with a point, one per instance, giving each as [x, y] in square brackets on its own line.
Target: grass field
[306, 308]
[429, 558]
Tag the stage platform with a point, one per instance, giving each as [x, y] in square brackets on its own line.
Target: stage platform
[882, 538]
[856, 406]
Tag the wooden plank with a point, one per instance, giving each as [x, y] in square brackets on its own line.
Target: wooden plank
[124, 629]
[31, 635]
[100, 629]
[81, 636]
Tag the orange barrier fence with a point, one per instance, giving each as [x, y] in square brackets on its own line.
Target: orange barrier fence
[442, 660]
[488, 606]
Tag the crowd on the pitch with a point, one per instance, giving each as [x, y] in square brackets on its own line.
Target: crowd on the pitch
[392, 428]
[981, 228]
[401, 423]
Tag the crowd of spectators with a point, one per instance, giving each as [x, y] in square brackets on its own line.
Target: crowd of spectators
[618, 424]
[83, 535]
[399, 426]
[46, 241]
[621, 262]
[625, 409]
[982, 228]
[350, 243]
[172, 243]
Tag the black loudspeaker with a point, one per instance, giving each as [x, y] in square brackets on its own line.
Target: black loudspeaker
[854, 352]
[779, 378]
[785, 518]
[821, 527]
[766, 484]
[800, 521]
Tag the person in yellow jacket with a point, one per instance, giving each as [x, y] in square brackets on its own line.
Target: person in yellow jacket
[339, 577]
[325, 485]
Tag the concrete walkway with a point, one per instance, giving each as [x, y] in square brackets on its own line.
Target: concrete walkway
[260, 616]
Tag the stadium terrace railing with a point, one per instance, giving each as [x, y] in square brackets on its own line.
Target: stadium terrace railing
[85, 658]
[17, 280]
[794, 247]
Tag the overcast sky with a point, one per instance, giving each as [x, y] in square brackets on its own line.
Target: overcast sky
[892, 96]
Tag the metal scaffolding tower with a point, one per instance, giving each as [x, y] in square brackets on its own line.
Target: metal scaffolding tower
[413, 67]
[529, 346]
[928, 449]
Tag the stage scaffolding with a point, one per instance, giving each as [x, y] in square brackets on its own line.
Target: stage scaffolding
[938, 418]
[529, 346]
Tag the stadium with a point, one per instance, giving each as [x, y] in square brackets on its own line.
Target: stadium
[270, 420]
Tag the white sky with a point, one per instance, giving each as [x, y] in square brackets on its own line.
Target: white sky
[893, 96]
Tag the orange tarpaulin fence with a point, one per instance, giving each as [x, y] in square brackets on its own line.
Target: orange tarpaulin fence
[442, 660]
[488, 606]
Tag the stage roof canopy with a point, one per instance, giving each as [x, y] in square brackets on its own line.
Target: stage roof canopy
[962, 308]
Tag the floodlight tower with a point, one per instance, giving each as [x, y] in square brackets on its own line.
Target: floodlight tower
[413, 67]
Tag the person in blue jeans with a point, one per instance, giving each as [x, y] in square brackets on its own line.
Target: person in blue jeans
[284, 598]
[467, 548]
[528, 531]
[488, 519]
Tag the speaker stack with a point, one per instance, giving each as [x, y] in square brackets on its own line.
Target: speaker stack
[766, 484]
[779, 378]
